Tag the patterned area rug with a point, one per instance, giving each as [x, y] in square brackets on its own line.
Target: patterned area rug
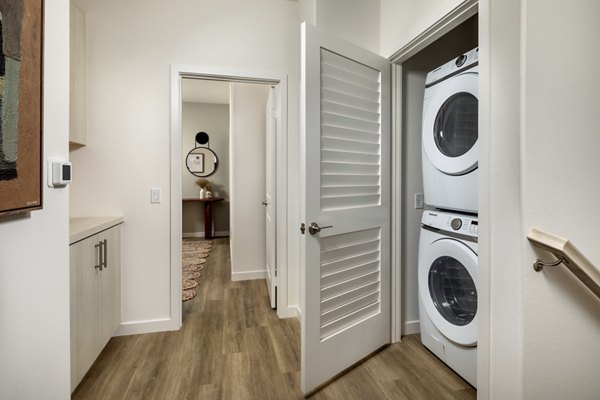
[194, 253]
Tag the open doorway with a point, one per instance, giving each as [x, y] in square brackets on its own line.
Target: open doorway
[225, 107]
[228, 135]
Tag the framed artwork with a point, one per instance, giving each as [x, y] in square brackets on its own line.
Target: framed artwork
[21, 105]
[195, 162]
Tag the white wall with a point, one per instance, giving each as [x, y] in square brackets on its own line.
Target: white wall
[34, 251]
[561, 194]
[307, 11]
[401, 21]
[248, 105]
[357, 21]
[131, 46]
[542, 119]
[214, 120]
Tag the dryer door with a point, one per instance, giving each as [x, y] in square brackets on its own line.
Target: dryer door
[450, 125]
[447, 288]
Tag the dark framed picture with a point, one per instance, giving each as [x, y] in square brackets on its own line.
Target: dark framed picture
[21, 105]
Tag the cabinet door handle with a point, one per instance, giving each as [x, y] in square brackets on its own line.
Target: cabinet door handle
[98, 256]
[105, 253]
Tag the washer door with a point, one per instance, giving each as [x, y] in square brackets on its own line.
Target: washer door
[448, 290]
[450, 125]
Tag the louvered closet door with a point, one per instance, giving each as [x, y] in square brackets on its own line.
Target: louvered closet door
[346, 183]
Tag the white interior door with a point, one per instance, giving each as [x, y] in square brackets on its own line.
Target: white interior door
[270, 198]
[345, 292]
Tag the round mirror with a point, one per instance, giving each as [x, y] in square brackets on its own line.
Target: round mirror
[202, 161]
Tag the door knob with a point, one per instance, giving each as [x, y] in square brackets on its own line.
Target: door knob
[314, 228]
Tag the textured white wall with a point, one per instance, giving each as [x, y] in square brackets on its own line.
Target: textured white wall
[214, 120]
[403, 20]
[248, 105]
[131, 46]
[34, 251]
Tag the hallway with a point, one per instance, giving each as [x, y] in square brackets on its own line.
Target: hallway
[233, 346]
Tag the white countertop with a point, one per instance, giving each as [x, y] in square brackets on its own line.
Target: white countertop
[82, 227]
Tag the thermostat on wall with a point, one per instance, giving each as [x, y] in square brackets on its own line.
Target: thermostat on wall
[59, 173]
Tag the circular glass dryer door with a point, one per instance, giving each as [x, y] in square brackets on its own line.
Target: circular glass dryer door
[450, 125]
[448, 290]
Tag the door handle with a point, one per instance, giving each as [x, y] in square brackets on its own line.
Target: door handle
[265, 203]
[314, 228]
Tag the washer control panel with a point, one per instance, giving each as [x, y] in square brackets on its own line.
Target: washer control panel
[451, 222]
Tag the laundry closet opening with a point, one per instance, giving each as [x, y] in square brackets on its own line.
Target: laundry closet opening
[412, 80]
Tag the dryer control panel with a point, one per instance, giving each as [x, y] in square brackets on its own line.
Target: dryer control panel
[450, 222]
[453, 67]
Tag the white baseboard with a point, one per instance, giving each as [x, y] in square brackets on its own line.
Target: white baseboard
[201, 234]
[249, 275]
[411, 327]
[150, 326]
[289, 312]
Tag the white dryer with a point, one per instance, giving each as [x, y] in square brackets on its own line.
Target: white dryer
[448, 289]
[450, 135]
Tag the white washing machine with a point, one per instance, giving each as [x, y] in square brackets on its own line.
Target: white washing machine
[448, 289]
[450, 135]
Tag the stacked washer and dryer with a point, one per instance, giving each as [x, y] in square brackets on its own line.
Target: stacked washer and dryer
[448, 242]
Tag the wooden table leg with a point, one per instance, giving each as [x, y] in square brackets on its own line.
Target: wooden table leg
[208, 220]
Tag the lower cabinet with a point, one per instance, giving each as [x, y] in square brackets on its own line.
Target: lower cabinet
[95, 281]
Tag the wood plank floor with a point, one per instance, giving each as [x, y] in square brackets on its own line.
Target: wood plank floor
[233, 346]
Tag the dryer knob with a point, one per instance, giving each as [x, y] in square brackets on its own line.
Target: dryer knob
[461, 60]
[456, 223]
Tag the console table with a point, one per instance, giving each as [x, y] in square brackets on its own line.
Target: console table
[207, 213]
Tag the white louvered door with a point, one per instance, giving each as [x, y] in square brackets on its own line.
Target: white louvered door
[345, 272]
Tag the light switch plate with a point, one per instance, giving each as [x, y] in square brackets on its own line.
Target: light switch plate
[155, 195]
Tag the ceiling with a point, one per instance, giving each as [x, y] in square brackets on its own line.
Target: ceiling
[204, 91]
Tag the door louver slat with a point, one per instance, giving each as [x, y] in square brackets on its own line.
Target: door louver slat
[350, 101]
[349, 146]
[346, 156]
[342, 299]
[328, 57]
[334, 132]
